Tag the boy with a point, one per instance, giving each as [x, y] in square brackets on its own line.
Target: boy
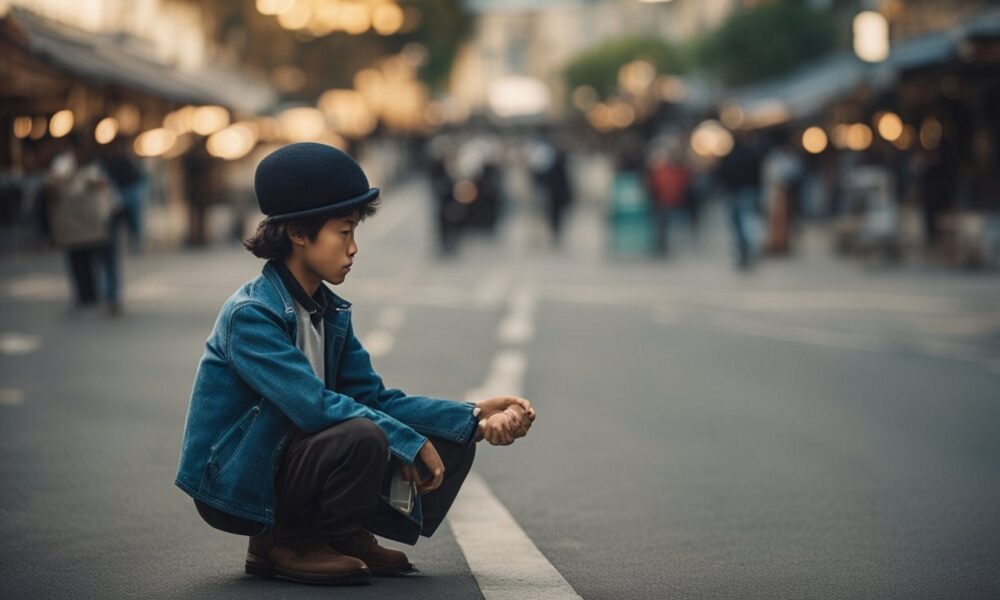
[291, 437]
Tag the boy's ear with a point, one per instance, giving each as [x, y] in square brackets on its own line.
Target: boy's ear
[295, 235]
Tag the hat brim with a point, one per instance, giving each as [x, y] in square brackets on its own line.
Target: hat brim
[319, 211]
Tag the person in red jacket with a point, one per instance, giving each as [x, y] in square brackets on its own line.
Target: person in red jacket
[667, 181]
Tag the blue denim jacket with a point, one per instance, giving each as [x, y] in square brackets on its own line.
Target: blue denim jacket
[253, 384]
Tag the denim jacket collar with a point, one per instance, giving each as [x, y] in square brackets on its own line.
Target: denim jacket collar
[316, 305]
[270, 271]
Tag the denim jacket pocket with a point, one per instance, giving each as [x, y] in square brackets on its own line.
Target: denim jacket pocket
[223, 452]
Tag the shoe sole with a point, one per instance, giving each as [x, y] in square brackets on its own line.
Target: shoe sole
[269, 571]
[393, 570]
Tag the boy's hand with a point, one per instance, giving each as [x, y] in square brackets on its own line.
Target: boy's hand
[502, 427]
[518, 421]
[522, 417]
[432, 460]
[496, 430]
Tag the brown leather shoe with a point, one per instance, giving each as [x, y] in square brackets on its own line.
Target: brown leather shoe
[382, 562]
[303, 557]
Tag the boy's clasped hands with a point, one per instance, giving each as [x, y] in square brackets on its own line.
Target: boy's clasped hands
[503, 419]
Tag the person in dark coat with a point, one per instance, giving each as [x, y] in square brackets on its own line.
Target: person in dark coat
[740, 176]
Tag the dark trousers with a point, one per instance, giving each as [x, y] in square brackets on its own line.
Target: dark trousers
[330, 482]
[95, 265]
[82, 262]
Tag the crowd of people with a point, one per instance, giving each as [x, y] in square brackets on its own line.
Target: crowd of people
[92, 199]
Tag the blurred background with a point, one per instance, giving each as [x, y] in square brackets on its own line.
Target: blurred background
[742, 255]
[872, 124]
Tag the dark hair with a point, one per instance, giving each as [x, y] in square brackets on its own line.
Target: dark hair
[271, 239]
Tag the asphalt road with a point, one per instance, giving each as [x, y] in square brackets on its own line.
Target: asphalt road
[809, 430]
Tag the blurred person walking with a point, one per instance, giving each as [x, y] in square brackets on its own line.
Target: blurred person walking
[548, 166]
[667, 182]
[449, 212]
[81, 207]
[782, 172]
[739, 174]
[559, 196]
[199, 191]
[129, 176]
[937, 185]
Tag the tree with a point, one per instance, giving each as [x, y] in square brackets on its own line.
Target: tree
[444, 26]
[598, 67]
[765, 41]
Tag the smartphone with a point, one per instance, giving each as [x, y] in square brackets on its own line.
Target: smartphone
[401, 493]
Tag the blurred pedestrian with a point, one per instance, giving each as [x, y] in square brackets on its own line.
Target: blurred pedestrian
[291, 436]
[490, 196]
[739, 174]
[667, 182]
[124, 169]
[699, 190]
[548, 166]
[199, 191]
[559, 195]
[449, 212]
[782, 171]
[936, 190]
[80, 207]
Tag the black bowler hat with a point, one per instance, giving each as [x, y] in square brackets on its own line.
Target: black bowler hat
[307, 179]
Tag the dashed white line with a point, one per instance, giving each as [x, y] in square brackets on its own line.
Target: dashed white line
[15, 344]
[505, 377]
[804, 335]
[10, 397]
[379, 343]
[38, 287]
[492, 287]
[519, 325]
[391, 317]
[503, 559]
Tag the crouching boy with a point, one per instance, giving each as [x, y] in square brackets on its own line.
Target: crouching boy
[291, 437]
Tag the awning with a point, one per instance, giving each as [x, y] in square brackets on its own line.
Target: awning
[804, 92]
[104, 59]
[808, 90]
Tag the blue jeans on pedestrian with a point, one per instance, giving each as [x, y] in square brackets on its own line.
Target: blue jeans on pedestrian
[110, 261]
[743, 208]
[134, 201]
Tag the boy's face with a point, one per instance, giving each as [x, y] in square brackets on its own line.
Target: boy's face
[331, 254]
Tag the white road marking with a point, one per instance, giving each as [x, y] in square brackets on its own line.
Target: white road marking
[16, 344]
[491, 288]
[503, 559]
[519, 325]
[666, 315]
[505, 377]
[805, 335]
[391, 318]
[38, 287]
[11, 397]
[845, 340]
[953, 350]
[379, 343]
[516, 329]
[147, 289]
